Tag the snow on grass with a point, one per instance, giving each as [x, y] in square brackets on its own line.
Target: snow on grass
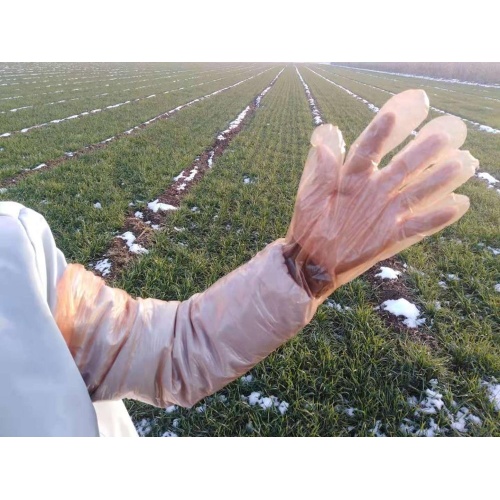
[143, 427]
[335, 305]
[139, 215]
[488, 178]
[493, 393]
[494, 251]
[42, 165]
[156, 205]
[388, 273]
[376, 430]
[171, 408]
[433, 403]
[266, 402]
[97, 205]
[129, 239]
[3, 190]
[103, 266]
[497, 287]
[169, 434]
[246, 379]
[401, 307]
[312, 104]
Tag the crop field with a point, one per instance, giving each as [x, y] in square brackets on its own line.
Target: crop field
[162, 178]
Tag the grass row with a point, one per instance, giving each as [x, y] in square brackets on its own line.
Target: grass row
[414, 82]
[39, 145]
[81, 95]
[46, 82]
[15, 121]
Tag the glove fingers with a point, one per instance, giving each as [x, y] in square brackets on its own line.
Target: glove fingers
[433, 219]
[438, 181]
[434, 142]
[399, 116]
[332, 138]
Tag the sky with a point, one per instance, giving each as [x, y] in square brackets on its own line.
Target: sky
[256, 30]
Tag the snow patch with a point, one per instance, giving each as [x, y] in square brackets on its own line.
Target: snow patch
[493, 393]
[103, 266]
[388, 273]
[97, 205]
[156, 205]
[401, 307]
[129, 239]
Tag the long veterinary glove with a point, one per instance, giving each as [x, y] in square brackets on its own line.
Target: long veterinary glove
[349, 215]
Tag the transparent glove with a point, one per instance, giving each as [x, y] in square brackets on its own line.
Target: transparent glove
[350, 214]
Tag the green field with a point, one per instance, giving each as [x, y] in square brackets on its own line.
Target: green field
[350, 372]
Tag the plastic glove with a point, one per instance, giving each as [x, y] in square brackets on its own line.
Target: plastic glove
[349, 214]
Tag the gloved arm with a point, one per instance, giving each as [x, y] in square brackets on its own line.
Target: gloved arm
[179, 352]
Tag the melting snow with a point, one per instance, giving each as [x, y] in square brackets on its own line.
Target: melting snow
[312, 104]
[388, 273]
[143, 427]
[169, 434]
[103, 266]
[133, 247]
[247, 378]
[497, 287]
[39, 166]
[493, 393]
[3, 190]
[494, 251]
[433, 404]
[402, 307]
[334, 305]
[265, 402]
[139, 215]
[487, 177]
[97, 205]
[171, 408]
[156, 205]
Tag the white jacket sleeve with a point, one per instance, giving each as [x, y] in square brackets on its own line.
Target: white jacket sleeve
[41, 390]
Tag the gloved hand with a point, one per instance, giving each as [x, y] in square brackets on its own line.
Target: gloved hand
[349, 214]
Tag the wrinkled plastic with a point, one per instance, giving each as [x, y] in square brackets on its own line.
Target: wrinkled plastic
[166, 353]
[350, 214]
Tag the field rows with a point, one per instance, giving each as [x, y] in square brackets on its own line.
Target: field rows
[348, 373]
[30, 150]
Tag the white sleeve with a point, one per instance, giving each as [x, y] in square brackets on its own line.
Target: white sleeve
[41, 390]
